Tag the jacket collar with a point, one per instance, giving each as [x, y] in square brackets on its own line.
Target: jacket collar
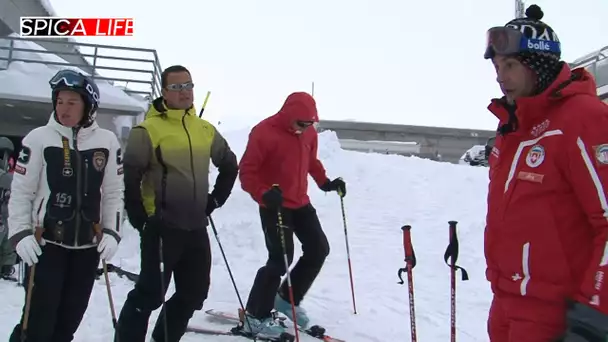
[159, 108]
[68, 132]
[530, 110]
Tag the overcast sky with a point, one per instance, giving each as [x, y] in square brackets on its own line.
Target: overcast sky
[393, 61]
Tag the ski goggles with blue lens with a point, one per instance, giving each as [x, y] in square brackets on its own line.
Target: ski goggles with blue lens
[68, 78]
[509, 41]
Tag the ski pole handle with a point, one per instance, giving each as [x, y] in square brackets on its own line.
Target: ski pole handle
[204, 104]
[38, 234]
[452, 224]
[407, 243]
[410, 259]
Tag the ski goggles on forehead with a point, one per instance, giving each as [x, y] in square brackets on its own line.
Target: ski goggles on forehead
[509, 41]
[180, 86]
[68, 78]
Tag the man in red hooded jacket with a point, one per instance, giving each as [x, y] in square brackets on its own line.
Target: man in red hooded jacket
[546, 239]
[280, 154]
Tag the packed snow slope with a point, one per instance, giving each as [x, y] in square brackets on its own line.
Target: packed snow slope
[385, 192]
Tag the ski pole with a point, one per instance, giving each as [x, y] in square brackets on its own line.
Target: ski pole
[200, 114]
[350, 268]
[451, 253]
[28, 303]
[162, 286]
[236, 289]
[410, 263]
[280, 227]
[30, 289]
[99, 234]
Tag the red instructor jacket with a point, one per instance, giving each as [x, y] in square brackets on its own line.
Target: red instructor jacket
[547, 230]
[275, 154]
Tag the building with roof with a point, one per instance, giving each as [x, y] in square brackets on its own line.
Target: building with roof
[128, 78]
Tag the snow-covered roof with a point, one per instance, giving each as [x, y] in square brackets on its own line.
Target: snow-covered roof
[29, 80]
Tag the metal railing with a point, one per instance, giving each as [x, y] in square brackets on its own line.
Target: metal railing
[136, 71]
[597, 65]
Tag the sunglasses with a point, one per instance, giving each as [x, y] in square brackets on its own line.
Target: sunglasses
[180, 86]
[304, 124]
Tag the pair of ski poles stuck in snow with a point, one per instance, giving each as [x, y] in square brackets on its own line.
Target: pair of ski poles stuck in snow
[451, 254]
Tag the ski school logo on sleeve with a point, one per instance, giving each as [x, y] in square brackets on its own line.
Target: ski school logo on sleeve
[78, 27]
[535, 156]
[601, 154]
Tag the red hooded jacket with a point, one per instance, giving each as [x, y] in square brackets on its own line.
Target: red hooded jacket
[547, 230]
[275, 154]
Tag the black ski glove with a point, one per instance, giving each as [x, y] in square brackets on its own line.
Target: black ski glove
[273, 198]
[335, 185]
[137, 215]
[585, 324]
[212, 204]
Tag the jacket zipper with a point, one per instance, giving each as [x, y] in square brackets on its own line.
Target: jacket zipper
[300, 165]
[191, 157]
[86, 177]
[78, 187]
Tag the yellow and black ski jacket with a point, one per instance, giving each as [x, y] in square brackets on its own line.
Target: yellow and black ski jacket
[166, 168]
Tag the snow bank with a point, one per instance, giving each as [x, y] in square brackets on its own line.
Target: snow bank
[29, 80]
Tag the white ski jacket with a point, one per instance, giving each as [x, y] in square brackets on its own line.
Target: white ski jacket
[66, 183]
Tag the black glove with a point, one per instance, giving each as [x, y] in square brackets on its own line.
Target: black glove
[153, 225]
[212, 204]
[335, 185]
[585, 324]
[137, 215]
[273, 198]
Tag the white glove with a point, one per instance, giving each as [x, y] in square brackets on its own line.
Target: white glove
[28, 249]
[107, 247]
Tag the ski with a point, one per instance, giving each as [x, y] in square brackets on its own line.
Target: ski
[10, 278]
[120, 272]
[238, 331]
[315, 331]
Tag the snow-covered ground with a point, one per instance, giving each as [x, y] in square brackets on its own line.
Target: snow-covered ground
[385, 192]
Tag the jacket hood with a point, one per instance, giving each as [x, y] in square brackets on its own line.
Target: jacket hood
[67, 131]
[159, 108]
[530, 109]
[298, 106]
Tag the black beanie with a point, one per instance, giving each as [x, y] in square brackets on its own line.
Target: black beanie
[546, 65]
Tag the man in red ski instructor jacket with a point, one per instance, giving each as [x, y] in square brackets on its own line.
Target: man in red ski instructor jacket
[546, 239]
[282, 150]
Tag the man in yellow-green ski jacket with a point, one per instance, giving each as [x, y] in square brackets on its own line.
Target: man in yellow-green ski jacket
[166, 174]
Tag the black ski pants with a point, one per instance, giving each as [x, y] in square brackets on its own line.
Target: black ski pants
[187, 257]
[304, 223]
[63, 283]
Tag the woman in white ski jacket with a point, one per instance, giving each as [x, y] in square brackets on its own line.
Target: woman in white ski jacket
[65, 209]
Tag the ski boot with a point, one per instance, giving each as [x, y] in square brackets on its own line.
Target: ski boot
[264, 328]
[284, 307]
